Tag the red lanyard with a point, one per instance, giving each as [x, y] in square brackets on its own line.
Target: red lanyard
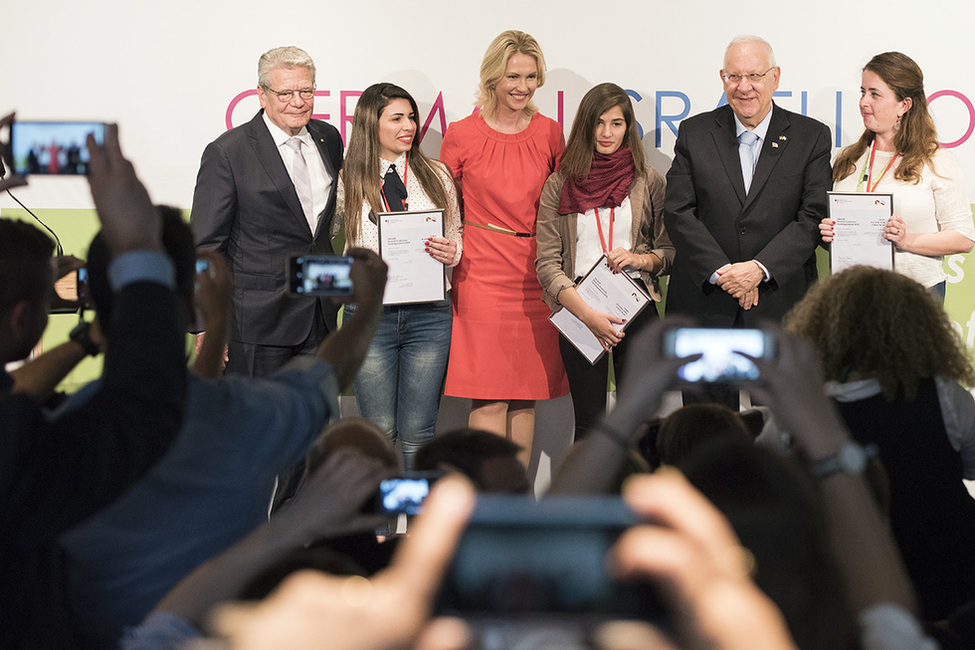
[873, 152]
[599, 225]
[406, 171]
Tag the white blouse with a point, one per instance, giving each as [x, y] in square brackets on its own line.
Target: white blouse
[417, 200]
[589, 247]
[938, 202]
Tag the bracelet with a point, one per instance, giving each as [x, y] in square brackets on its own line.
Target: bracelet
[850, 458]
[81, 335]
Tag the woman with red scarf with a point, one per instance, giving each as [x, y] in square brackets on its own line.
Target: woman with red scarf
[604, 199]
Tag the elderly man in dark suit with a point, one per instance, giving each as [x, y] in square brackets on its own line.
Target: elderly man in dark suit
[266, 191]
[745, 195]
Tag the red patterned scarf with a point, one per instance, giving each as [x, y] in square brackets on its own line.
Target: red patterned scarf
[606, 186]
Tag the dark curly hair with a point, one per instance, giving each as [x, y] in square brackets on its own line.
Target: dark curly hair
[873, 323]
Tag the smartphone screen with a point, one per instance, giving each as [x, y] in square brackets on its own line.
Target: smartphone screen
[82, 282]
[404, 494]
[52, 148]
[320, 275]
[545, 559]
[719, 362]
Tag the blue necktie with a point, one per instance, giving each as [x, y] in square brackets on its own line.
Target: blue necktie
[746, 152]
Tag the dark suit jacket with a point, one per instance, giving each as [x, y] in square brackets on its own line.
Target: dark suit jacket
[245, 206]
[712, 223]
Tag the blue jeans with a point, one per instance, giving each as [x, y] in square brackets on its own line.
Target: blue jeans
[401, 380]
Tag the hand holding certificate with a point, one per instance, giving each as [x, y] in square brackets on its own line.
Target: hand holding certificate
[614, 294]
[858, 234]
[414, 276]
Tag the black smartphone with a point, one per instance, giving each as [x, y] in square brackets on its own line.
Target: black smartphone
[320, 275]
[720, 362]
[523, 559]
[52, 148]
[404, 494]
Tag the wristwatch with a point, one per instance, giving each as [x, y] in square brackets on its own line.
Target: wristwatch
[851, 458]
[82, 336]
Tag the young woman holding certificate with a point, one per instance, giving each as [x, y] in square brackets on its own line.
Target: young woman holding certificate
[504, 354]
[399, 384]
[604, 200]
[899, 153]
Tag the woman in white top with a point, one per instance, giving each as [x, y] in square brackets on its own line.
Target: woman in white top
[899, 153]
[401, 380]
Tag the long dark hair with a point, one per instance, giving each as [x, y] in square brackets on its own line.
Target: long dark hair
[360, 172]
[579, 151]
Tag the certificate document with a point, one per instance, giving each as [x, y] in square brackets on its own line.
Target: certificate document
[606, 292]
[858, 236]
[414, 276]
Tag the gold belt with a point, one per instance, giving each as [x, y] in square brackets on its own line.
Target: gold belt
[493, 228]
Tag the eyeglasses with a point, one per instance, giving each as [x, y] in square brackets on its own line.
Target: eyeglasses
[754, 77]
[288, 95]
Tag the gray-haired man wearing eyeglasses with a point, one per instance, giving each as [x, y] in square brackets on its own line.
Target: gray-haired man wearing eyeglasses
[745, 195]
[265, 191]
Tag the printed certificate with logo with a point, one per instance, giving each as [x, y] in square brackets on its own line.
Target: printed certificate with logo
[608, 293]
[414, 276]
[858, 236]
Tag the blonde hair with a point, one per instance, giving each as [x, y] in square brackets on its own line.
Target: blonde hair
[495, 62]
[882, 325]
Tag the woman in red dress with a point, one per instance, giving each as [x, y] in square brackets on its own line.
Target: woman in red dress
[504, 353]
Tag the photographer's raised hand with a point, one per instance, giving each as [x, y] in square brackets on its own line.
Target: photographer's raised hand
[8, 180]
[346, 348]
[642, 386]
[327, 505]
[214, 296]
[388, 611]
[792, 386]
[590, 466]
[129, 220]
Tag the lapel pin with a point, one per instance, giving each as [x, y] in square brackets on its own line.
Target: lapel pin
[775, 145]
[782, 137]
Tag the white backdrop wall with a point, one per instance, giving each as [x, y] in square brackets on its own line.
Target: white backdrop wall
[172, 72]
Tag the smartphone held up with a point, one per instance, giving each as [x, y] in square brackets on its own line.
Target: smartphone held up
[51, 148]
[722, 361]
[320, 275]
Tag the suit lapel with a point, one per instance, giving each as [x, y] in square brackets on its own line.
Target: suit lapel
[270, 158]
[773, 147]
[726, 145]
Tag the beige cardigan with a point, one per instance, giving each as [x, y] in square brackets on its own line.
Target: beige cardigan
[556, 235]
